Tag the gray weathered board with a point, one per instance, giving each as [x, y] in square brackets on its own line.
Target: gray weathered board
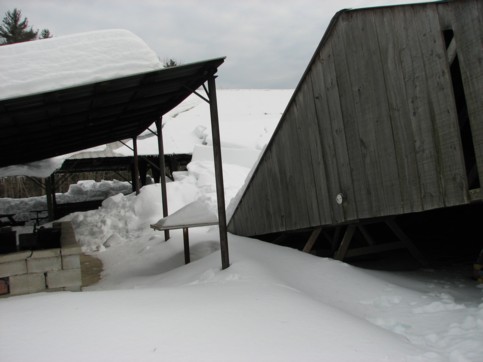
[373, 118]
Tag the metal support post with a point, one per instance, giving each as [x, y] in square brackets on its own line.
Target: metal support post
[136, 164]
[220, 193]
[162, 172]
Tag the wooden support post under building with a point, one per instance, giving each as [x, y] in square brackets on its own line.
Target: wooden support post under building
[136, 165]
[346, 240]
[406, 241]
[312, 239]
[162, 172]
[220, 193]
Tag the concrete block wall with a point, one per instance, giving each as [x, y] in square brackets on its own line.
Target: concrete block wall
[44, 270]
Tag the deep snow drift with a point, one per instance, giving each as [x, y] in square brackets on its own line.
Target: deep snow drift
[272, 304]
[66, 61]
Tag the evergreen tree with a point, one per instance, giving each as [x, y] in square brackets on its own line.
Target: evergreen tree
[170, 63]
[45, 34]
[15, 30]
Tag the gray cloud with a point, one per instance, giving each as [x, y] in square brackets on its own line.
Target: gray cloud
[268, 44]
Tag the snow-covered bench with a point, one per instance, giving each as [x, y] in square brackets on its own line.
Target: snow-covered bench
[195, 214]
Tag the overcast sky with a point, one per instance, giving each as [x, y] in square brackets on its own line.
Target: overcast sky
[268, 44]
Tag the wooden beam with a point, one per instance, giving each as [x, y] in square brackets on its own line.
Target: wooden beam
[346, 240]
[406, 240]
[372, 249]
[312, 239]
[451, 51]
[366, 235]
[162, 172]
[220, 193]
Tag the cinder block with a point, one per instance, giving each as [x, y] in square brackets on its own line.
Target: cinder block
[41, 265]
[71, 250]
[67, 237]
[71, 262]
[13, 268]
[64, 278]
[46, 253]
[22, 255]
[27, 283]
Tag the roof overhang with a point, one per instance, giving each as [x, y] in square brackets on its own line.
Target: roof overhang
[59, 122]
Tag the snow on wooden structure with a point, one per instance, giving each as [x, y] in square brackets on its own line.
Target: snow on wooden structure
[81, 91]
[386, 120]
[195, 214]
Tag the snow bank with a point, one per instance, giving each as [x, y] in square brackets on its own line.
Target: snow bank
[247, 120]
[272, 304]
[42, 168]
[73, 60]
[131, 216]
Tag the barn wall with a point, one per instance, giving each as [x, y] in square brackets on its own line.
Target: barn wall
[374, 119]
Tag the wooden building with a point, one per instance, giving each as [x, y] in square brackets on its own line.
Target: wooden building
[387, 120]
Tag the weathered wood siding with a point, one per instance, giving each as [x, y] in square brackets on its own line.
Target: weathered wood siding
[373, 118]
[466, 19]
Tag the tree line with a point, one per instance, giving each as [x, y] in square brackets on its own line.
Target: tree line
[15, 29]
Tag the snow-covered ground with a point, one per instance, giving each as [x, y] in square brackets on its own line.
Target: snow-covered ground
[272, 304]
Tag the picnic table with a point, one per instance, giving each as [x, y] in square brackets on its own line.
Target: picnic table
[37, 217]
[195, 214]
[11, 220]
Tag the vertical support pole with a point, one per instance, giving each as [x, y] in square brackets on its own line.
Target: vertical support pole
[220, 192]
[49, 194]
[346, 240]
[136, 164]
[186, 242]
[162, 172]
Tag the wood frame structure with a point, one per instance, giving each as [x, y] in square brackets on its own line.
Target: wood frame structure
[387, 120]
[72, 119]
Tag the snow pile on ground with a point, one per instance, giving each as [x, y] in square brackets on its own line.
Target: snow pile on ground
[124, 217]
[79, 192]
[247, 120]
[72, 60]
[272, 304]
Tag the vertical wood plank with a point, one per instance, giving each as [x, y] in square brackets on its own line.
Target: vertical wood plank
[393, 26]
[417, 91]
[278, 147]
[375, 129]
[440, 98]
[467, 23]
[342, 43]
[275, 193]
[294, 161]
[332, 137]
[313, 140]
[305, 169]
